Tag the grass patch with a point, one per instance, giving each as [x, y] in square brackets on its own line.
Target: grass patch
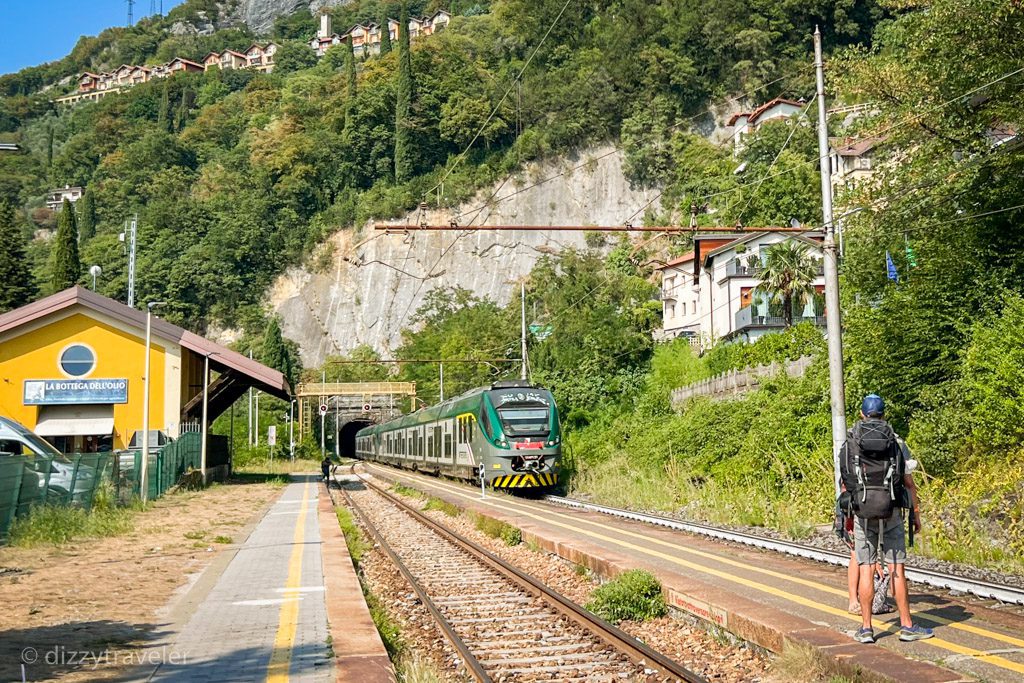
[195, 535]
[386, 626]
[404, 490]
[443, 506]
[357, 544]
[415, 669]
[805, 664]
[498, 529]
[57, 525]
[275, 480]
[634, 595]
[223, 539]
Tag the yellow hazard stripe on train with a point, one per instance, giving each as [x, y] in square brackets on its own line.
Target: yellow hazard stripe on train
[514, 481]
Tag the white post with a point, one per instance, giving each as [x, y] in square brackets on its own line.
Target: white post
[323, 418]
[250, 407]
[144, 465]
[483, 486]
[833, 321]
[256, 428]
[291, 429]
[522, 293]
[441, 366]
[337, 441]
[132, 236]
[205, 427]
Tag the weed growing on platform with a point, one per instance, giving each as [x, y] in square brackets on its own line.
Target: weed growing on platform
[389, 631]
[634, 595]
[57, 525]
[497, 529]
[443, 506]
[354, 539]
[403, 490]
[805, 664]
[223, 539]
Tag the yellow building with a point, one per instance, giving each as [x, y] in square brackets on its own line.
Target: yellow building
[72, 365]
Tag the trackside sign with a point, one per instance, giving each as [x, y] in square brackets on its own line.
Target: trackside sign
[698, 608]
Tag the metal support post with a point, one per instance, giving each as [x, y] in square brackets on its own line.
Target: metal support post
[833, 319]
[522, 294]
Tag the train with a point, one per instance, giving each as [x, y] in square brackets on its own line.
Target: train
[508, 434]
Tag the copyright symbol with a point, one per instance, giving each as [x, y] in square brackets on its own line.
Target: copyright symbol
[29, 655]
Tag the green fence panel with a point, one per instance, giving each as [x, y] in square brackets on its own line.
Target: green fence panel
[11, 472]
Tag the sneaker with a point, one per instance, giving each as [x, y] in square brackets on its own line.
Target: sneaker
[866, 635]
[915, 632]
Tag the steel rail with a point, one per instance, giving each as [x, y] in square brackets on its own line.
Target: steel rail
[608, 633]
[473, 665]
[983, 589]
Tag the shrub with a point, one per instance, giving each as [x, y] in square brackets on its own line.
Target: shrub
[495, 528]
[443, 506]
[56, 525]
[634, 595]
[357, 544]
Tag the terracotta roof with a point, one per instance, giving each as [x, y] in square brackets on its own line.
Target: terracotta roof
[266, 379]
[683, 258]
[753, 115]
[852, 147]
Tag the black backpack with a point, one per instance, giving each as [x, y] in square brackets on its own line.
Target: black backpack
[873, 470]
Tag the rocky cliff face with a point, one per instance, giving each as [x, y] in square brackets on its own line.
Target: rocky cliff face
[259, 15]
[369, 283]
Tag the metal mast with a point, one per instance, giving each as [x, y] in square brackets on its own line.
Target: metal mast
[833, 321]
[131, 18]
[132, 235]
[522, 293]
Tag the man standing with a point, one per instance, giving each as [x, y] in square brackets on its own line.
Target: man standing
[878, 488]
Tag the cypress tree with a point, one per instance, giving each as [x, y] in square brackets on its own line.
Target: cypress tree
[49, 145]
[164, 116]
[385, 34]
[17, 286]
[65, 266]
[275, 353]
[350, 77]
[86, 217]
[405, 162]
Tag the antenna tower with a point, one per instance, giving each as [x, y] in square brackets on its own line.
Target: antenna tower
[152, 7]
[131, 18]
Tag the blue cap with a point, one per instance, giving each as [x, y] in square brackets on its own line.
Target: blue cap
[873, 406]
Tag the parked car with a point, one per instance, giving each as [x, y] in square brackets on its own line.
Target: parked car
[43, 458]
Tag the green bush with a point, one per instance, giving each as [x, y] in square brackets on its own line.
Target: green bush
[357, 544]
[634, 595]
[495, 528]
[442, 505]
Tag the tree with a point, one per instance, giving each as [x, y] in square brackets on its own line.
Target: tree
[788, 275]
[294, 55]
[385, 33]
[86, 211]
[405, 160]
[275, 353]
[17, 286]
[163, 118]
[65, 266]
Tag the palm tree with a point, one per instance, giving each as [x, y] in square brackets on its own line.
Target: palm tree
[788, 275]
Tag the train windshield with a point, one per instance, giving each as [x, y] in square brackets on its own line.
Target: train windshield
[525, 421]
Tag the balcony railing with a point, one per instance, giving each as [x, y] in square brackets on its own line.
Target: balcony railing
[738, 269]
[751, 317]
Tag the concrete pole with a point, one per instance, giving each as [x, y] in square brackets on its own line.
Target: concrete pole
[256, 427]
[205, 427]
[323, 419]
[441, 367]
[522, 294]
[144, 465]
[291, 430]
[250, 407]
[833, 320]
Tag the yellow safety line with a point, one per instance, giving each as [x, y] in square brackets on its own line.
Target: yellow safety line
[806, 602]
[284, 641]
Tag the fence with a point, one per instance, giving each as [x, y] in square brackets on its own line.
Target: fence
[27, 481]
[737, 382]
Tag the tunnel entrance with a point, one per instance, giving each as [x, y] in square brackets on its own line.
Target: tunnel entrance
[347, 436]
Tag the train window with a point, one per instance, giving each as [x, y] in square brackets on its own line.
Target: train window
[485, 424]
[447, 445]
[525, 421]
[437, 442]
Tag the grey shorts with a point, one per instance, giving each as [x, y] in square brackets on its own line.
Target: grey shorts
[894, 541]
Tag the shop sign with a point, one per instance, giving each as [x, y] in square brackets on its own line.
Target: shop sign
[42, 392]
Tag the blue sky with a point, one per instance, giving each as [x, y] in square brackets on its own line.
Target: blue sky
[37, 31]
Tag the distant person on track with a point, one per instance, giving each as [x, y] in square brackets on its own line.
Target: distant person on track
[325, 467]
[878, 489]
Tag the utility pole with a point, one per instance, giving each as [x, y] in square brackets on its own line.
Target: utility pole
[833, 320]
[440, 367]
[522, 301]
[131, 19]
[250, 407]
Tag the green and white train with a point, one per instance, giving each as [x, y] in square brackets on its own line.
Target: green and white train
[507, 433]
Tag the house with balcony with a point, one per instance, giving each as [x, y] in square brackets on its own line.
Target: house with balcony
[261, 57]
[746, 123]
[55, 198]
[852, 161]
[714, 292]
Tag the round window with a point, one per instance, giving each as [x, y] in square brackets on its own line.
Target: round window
[77, 360]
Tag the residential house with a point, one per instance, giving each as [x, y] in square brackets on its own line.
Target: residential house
[211, 61]
[325, 39]
[746, 123]
[181, 64]
[852, 161]
[261, 57]
[55, 198]
[679, 299]
[435, 23]
[713, 292]
[88, 82]
[139, 74]
[230, 59]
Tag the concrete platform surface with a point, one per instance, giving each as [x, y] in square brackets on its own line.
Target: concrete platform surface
[769, 599]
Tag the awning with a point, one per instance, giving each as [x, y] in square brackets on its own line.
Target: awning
[88, 420]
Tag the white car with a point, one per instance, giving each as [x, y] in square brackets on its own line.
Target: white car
[16, 439]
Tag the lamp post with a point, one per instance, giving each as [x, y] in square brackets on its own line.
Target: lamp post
[205, 427]
[291, 429]
[95, 271]
[143, 490]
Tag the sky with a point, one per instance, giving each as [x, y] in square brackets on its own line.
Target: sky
[37, 31]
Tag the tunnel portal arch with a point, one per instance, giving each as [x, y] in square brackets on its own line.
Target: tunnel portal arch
[347, 435]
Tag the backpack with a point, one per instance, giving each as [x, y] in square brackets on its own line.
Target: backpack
[873, 470]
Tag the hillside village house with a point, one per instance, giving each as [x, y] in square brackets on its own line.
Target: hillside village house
[852, 162]
[366, 38]
[746, 123]
[55, 198]
[712, 292]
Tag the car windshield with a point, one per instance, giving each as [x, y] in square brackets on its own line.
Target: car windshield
[36, 444]
[525, 421]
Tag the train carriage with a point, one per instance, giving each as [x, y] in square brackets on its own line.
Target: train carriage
[509, 433]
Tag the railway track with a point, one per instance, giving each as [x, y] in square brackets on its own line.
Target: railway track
[979, 588]
[504, 624]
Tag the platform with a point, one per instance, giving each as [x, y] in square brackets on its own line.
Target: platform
[774, 601]
[286, 607]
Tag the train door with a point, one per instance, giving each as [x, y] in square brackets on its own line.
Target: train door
[448, 451]
[464, 441]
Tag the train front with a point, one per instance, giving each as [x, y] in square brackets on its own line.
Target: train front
[527, 443]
